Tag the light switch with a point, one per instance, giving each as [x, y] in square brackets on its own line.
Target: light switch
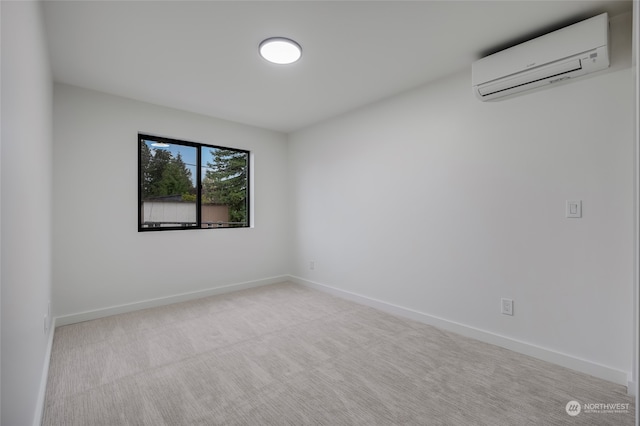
[574, 208]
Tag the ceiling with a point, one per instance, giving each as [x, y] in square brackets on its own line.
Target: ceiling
[202, 56]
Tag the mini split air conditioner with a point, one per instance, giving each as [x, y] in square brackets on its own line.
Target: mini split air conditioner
[567, 53]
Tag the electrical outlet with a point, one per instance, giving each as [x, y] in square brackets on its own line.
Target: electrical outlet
[47, 316]
[506, 306]
[312, 264]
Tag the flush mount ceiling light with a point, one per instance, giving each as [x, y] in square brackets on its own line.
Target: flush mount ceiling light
[160, 145]
[280, 50]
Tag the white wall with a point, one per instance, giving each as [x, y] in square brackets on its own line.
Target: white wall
[100, 260]
[26, 210]
[438, 203]
[636, 279]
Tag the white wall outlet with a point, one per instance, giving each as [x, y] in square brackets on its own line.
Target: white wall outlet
[312, 265]
[47, 318]
[506, 306]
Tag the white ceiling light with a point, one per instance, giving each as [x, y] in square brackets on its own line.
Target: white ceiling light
[280, 50]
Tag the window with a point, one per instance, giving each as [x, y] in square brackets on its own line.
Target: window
[188, 185]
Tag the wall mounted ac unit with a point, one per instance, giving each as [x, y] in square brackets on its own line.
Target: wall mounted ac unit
[569, 52]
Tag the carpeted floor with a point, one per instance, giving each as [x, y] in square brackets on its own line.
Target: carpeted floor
[288, 355]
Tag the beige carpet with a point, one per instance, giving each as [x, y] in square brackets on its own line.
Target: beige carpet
[288, 355]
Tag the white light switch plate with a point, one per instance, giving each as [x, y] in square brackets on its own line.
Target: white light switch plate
[574, 208]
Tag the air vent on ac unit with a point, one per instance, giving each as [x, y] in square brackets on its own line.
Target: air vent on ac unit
[567, 53]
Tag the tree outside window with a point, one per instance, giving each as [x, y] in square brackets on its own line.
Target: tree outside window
[186, 185]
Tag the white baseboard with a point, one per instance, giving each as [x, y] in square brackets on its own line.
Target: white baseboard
[545, 354]
[37, 420]
[161, 301]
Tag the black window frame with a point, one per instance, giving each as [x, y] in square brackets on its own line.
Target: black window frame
[142, 137]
